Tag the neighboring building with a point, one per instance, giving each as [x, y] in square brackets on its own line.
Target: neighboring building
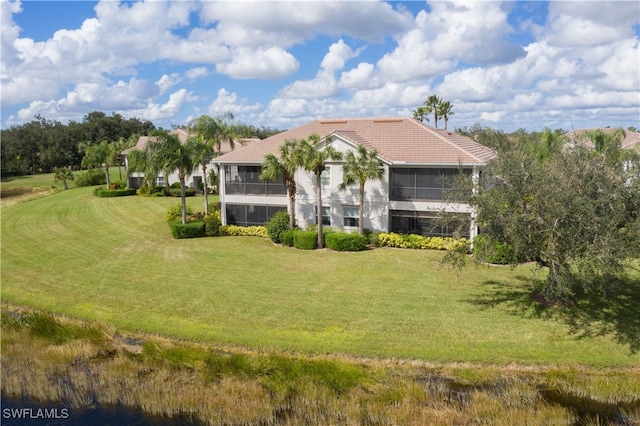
[136, 179]
[631, 139]
[419, 162]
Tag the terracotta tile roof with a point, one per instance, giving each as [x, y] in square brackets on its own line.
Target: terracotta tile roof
[183, 136]
[398, 140]
[630, 141]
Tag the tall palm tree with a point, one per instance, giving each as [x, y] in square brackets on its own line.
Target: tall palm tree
[360, 168]
[203, 151]
[445, 111]
[99, 155]
[432, 104]
[210, 132]
[215, 130]
[312, 154]
[285, 165]
[169, 152]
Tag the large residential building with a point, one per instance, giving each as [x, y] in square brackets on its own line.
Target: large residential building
[419, 164]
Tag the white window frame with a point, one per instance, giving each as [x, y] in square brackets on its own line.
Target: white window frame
[351, 212]
[326, 214]
[325, 178]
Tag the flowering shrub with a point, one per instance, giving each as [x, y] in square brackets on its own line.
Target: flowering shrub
[414, 241]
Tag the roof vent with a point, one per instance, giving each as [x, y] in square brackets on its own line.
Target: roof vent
[333, 121]
[388, 120]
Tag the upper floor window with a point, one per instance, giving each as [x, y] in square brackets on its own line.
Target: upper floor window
[325, 177]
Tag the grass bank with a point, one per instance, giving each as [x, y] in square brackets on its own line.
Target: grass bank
[113, 260]
[52, 357]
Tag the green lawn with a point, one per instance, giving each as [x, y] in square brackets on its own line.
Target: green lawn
[113, 259]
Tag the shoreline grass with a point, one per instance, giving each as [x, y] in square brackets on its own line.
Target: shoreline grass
[113, 260]
[52, 357]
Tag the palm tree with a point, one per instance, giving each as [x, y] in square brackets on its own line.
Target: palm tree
[284, 166]
[421, 113]
[117, 157]
[141, 161]
[444, 111]
[215, 130]
[431, 104]
[210, 133]
[549, 144]
[203, 151]
[313, 154]
[169, 152]
[63, 174]
[99, 155]
[361, 168]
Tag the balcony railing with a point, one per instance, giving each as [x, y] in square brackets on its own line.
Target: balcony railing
[263, 188]
[416, 193]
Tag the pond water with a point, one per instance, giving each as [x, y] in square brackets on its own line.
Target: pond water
[17, 411]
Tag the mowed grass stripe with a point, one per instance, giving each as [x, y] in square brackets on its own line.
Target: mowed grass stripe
[114, 260]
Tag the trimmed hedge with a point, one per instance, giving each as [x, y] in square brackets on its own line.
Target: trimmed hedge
[244, 231]
[487, 250]
[414, 241]
[190, 230]
[305, 240]
[188, 192]
[341, 241]
[115, 192]
[286, 237]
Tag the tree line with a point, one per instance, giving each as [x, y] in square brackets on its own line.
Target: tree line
[43, 146]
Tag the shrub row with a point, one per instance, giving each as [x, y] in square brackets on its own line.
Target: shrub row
[414, 241]
[340, 241]
[188, 230]
[188, 192]
[244, 231]
[305, 240]
[115, 192]
[151, 191]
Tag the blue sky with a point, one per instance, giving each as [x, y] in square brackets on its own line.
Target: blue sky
[506, 65]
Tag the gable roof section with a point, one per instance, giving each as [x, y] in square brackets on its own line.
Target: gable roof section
[398, 141]
[183, 136]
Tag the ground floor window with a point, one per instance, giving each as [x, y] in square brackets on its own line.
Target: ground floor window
[425, 223]
[250, 215]
[351, 216]
[326, 215]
